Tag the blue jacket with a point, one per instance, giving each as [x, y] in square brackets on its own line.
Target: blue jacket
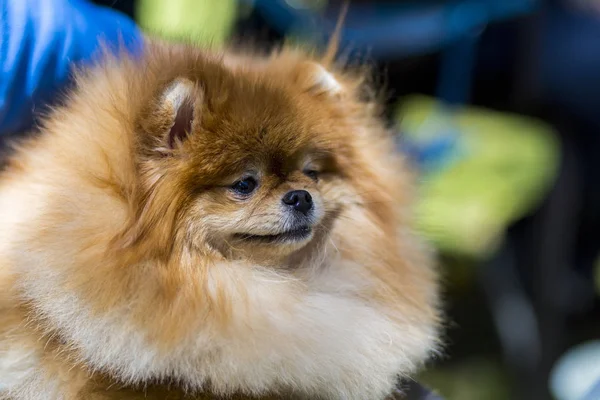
[39, 42]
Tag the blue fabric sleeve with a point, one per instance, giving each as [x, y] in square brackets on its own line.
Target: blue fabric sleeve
[39, 42]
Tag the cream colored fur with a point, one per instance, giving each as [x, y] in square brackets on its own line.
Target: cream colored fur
[314, 331]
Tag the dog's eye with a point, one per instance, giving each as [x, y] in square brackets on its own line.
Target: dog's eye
[244, 186]
[312, 174]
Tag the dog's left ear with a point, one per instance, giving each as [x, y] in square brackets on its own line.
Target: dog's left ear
[179, 101]
[173, 115]
[313, 78]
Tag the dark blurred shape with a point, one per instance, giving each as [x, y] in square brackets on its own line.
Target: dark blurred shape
[125, 6]
[416, 391]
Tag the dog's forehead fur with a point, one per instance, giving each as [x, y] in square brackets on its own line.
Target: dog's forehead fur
[251, 117]
[258, 126]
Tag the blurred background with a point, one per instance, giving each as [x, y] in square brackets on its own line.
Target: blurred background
[497, 103]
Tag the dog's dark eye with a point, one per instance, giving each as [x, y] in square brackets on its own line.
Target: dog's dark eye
[245, 186]
[312, 174]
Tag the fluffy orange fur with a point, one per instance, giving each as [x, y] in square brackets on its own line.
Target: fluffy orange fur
[127, 265]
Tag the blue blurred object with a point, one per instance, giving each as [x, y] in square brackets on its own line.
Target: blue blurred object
[408, 29]
[40, 39]
[576, 374]
[401, 29]
[593, 394]
[438, 143]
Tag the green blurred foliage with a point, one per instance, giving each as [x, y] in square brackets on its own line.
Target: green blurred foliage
[475, 379]
[503, 167]
[207, 22]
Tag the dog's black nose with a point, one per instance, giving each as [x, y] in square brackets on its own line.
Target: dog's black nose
[299, 199]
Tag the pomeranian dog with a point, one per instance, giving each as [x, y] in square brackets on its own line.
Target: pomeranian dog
[194, 224]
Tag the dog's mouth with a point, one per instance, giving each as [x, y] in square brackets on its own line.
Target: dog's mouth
[294, 235]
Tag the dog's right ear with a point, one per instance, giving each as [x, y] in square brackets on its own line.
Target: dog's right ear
[315, 79]
[174, 115]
